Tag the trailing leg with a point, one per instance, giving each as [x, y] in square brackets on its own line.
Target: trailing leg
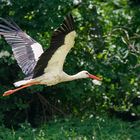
[9, 92]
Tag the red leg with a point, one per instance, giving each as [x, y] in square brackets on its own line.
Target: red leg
[17, 89]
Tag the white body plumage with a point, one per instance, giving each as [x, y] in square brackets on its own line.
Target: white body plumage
[53, 78]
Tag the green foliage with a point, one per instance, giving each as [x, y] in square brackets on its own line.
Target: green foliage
[89, 128]
[107, 45]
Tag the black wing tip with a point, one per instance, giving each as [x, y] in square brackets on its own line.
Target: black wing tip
[69, 17]
[67, 25]
[8, 22]
[69, 21]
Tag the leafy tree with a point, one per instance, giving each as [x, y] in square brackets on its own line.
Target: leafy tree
[107, 45]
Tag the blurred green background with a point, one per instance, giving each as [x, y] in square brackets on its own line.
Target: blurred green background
[107, 45]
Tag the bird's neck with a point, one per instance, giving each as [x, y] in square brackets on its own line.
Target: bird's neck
[66, 77]
[76, 76]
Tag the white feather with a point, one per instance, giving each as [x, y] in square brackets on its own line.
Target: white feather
[22, 82]
[37, 50]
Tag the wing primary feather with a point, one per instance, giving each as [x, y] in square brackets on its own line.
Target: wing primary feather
[14, 24]
[5, 28]
[8, 24]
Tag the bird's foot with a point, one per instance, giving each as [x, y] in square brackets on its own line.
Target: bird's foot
[8, 92]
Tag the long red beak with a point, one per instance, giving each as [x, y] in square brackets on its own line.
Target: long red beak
[94, 77]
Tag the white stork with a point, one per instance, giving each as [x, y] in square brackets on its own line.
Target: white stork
[45, 68]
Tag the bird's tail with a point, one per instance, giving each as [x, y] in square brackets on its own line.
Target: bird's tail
[20, 83]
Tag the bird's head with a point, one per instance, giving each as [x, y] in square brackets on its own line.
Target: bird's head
[86, 74]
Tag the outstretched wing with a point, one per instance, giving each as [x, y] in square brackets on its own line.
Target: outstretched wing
[61, 42]
[26, 50]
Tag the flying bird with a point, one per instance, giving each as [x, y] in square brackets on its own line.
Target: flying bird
[41, 67]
